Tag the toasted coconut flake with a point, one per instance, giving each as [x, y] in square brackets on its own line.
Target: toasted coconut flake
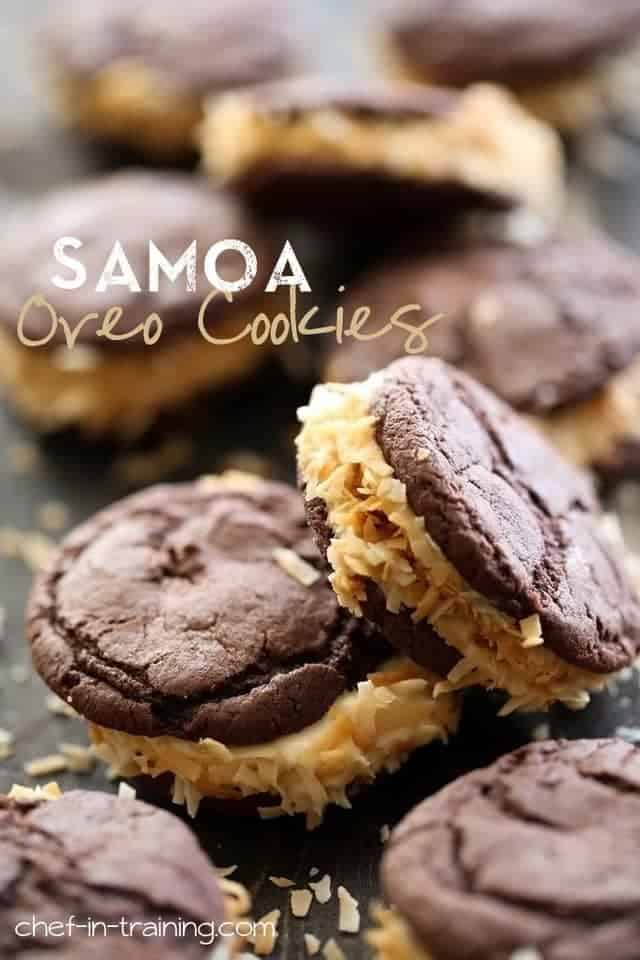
[385, 832]
[301, 901]
[282, 882]
[53, 516]
[224, 872]
[126, 791]
[28, 795]
[349, 920]
[331, 951]
[6, 744]
[322, 889]
[266, 936]
[79, 759]
[44, 766]
[531, 629]
[295, 566]
[311, 944]
[58, 707]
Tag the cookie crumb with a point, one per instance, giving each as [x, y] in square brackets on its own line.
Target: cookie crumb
[314, 872]
[531, 630]
[322, 889]
[282, 882]
[295, 566]
[301, 901]
[331, 951]
[43, 766]
[312, 944]
[422, 454]
[349, 919]
[125, 791]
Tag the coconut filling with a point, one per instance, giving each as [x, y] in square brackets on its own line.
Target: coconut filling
[378, 538]
[392, 938]
[118, 391]
[129, 101]
[486, 143]
[590, 433]
[368, 730]
[570, 102]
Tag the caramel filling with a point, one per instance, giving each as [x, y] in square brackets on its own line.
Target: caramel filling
[487, 143]
[126, 101]
[366, 731]
[121, 392]
[392, 938]
[378, 538]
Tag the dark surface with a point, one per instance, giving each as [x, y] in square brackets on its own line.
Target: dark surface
[258, 417]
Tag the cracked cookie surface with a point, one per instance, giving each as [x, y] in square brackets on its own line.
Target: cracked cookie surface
[173, 613]
[94, 855]
[536, 851]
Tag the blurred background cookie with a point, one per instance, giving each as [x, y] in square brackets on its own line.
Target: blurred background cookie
[553, 56]
[194, 627]
[343, 151]
[88, 857]
[120, 388]
[534, 852]
[445, 517]
[138, 74]
[553, 329]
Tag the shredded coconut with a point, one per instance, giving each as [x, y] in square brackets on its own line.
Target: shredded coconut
[295, 566]
[349, 921]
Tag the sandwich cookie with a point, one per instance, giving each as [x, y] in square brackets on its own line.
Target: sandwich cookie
[194, 627]
[321, 149]
[446, 519]
[552, 329]
[537, 853]
[557, 58]
[120, 384]
[138, 75]
[89, 874]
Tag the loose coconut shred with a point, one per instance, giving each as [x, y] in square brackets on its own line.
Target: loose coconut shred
[378, 538]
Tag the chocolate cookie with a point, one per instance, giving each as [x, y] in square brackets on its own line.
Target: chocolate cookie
[194, 627]
[550, 54]
[552, 329]
[537, 853]
[89, 858]
[443, 512]
[120, 387]
[321, 149]
[135, 75]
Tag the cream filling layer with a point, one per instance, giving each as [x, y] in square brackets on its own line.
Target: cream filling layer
[377, 537]
[367, 730]
[392, 938]
[128, 102]
[590, 433]
[117, 392]
[487, 142]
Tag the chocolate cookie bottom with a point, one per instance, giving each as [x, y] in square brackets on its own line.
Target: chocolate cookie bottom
[366, 731]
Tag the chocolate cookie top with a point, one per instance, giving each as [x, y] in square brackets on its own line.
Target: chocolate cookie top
[107, 858]
[132, 207]
[197, 610]
[544, 326]
[467, 40]
[538, 850]
[517, 522]
[194, 47]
